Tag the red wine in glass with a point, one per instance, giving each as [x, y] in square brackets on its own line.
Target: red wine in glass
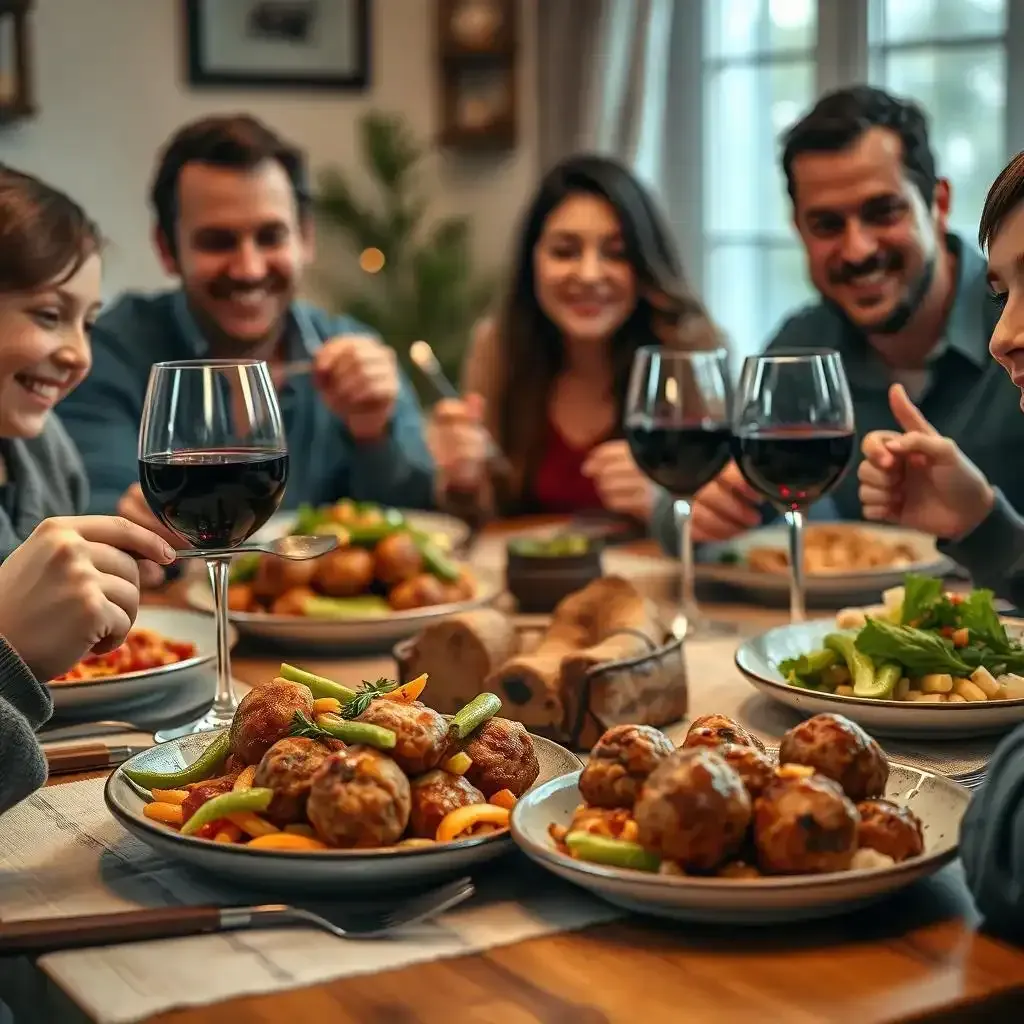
[214, 499]
[795, 465]
[682, 458]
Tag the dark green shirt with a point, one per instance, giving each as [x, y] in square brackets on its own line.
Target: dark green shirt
[103, 414]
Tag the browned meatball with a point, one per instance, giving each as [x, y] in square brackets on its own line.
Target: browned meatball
[288, 768]
[722, 728]
[503, 758]
[292, 602]
[804, 825]
[345, 572]
[276, 575]
[359, 798]
[840, 749]
[265, 715]
[434, 795]
[620, 763]
[422, 733]
[420, 592]
[890, 829]
[753, 767]
[397, 559]
[693, 809]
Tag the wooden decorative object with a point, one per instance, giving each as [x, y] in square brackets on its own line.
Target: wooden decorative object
[16, 101]
[477, 73]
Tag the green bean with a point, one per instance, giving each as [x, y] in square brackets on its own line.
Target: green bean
[318, 685]
[204, 767]
[366, 733]
[616, 853]
[255, 799]
[480, 709]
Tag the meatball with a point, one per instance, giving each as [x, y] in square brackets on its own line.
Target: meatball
[288, 768]
[422, 733]
[397, 559]
[707, 727]
[751, 765]
[420, 592]
[292, 602]
[503, 758]
[620, 763]
[359, 798]
[265, 715]
[345, 572]
[804, 824]
[434, 795]
[890, 829]
[840, 749]
[693, 809]
[276, 575]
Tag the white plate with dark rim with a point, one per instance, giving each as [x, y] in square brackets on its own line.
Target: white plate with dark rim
[758, 659]
[134, 689]
[939, 803]
[374, 633]
[726, 563]
[283, 872]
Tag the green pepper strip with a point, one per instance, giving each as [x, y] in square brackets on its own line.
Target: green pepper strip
[256, 799]
[616, 853]
[367, 733]
[205, 767]
[480, 709]
[434, 560]
[318, 685]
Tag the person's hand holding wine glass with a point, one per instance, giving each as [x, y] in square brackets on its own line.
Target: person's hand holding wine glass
[678, 428]
[795, 438]
[213, 465]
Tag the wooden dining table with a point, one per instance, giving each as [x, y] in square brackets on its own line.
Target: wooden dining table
[922, 955]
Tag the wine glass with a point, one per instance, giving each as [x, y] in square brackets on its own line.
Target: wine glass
[213, 464]
[679, 431]
[795, 438]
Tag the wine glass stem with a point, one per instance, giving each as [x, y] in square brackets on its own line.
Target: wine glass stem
[687, 592]
[224, 702]
[797, 611]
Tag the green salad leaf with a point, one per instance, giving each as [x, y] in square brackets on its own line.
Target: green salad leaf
[978, 614]
[925, 604]
[919, 651]
[806, 669]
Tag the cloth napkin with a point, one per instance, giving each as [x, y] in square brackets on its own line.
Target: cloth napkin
[61, 853]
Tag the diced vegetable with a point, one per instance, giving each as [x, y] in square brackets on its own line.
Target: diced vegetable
[319, 686]
[984, 681]
[482, 707]
[326, 706]
[940, 682]
[227, 804]
[458, 764]
[968, 690]
[503, 798]
[204, 767]
[410, 691]
[617, 853]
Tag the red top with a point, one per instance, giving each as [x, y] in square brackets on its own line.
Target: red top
[559, 485]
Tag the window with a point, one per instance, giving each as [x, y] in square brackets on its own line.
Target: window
[763, 64]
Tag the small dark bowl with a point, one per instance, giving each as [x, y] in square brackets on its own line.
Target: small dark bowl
[538, 581]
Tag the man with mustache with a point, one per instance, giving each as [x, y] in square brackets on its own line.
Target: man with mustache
[233, 223]
[903, 299]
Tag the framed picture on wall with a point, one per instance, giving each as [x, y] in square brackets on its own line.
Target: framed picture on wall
[284, 44]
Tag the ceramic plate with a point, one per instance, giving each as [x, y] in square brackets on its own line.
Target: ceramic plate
[134, 689]
[726, 563]
[282, 872]
[939, 803]
[758, 657]
[378, 633]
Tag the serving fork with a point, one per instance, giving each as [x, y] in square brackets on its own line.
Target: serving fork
[46, 935]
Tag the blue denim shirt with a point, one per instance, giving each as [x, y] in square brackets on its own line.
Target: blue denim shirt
[103, 414]
[968, 396]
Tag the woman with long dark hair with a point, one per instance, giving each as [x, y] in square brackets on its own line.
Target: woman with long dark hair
[595, 275]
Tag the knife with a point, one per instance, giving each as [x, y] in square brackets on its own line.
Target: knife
[88, 757]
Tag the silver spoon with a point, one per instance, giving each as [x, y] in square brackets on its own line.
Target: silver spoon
[298, 548]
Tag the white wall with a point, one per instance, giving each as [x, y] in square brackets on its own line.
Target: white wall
[110, 88]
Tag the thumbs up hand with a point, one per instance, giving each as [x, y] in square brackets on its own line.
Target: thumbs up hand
[920, 479]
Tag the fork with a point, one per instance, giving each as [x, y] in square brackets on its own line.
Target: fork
[46, 935]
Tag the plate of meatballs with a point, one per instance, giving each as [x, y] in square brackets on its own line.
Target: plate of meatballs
[721, 829]
[368, 787]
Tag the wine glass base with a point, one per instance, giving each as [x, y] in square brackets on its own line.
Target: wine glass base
[212, 721]
[696, 626]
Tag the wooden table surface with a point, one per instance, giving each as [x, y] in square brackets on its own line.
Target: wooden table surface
[918, 956]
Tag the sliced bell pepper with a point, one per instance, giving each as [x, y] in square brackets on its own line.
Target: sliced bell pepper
[615, 853]
[204, 767]
[226, 804]
[462, 819]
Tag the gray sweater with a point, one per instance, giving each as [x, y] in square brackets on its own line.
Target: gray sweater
[24, 706]
[45, 478]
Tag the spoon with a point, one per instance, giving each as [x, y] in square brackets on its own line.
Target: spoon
[297, 549]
